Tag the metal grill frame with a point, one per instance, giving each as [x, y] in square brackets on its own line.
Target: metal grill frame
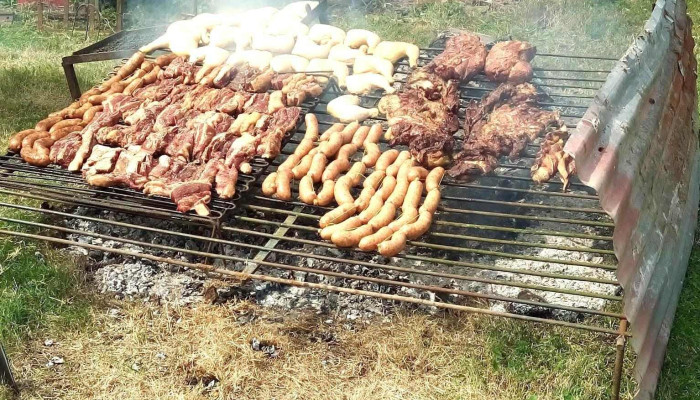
[295, 223]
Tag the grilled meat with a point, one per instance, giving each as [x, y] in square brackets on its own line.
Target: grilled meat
[510, 62]
[506, 132]
[463, 58]
[551, 158]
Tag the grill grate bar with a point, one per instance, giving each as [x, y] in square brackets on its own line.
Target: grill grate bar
[291, 282]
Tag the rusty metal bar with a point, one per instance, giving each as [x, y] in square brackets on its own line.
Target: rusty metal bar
[620, 344]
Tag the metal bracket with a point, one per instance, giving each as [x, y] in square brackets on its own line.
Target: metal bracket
[271, 243]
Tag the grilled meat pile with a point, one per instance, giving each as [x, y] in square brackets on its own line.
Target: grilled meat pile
[503, 123]
[168, 137]
[424, 114]
[551, 158]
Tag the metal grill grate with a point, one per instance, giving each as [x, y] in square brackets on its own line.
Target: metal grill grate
[499, 245]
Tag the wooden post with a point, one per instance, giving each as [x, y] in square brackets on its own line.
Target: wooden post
[90, 10]
[40, 15]
[120, 16]
[66, 14]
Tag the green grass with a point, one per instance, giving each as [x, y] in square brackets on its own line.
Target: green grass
[42, 293]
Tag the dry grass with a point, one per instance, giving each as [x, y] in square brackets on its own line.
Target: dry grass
[415, 356]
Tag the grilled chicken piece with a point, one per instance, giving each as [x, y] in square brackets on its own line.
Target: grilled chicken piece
[285, 63]
[394, 51]
[211, 56]
[330, 67]
[326, 34]
[309, 49]
[367, 82]
[551, 158]
[343, 53]
[510, 62]
[181, 37]
[229, 37]
[374, 64]
[281, 44]
[347, 109]
[355, 38]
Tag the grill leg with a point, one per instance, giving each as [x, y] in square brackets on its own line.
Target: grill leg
[72, 79]
[6, 377]
[619, 359]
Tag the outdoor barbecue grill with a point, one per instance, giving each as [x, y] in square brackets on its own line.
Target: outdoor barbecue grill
[503, 216]
[500, 245]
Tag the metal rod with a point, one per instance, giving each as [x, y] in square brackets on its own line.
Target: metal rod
[266, 248]
[620, 344]
[461, 264]
[291, 282]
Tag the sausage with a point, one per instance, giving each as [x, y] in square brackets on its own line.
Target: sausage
[304, 147]
[356, 172]
[130, 66]
[386, 159]
[106, 85]
[90, 113]
[284, 191]
[147, 66]
[371, 155]
[133, 85]
[66, 122]
[350, 223]
[330, 147]
[311, 127]
[335, 168]
[60, 133]
[393, 169]
[387, 188]
[383, 217]
[79, 112]
[350, 238]
[341, 191]
[16, 139]
[269, 185]
[39, 151]
[337, 127]
[325, 195]
[289, 163]
[431, 202]
[349, 132]
[307, 194]
[139, 73]
[375, 206]
[346, 151]
[432, 181]
[360, 136]
[337, 215]
[47, 123]
[408, 216]
[28, 141]
[304, 165]
[318, 166]
[369, 243]
[420, 226]
[393, 246]
[85, 96]
[165, 59]
[417, 173]
[152, 76]
[373, 136]
[413, 196]
[374, 179]
[364, 198]
[402, 184]
[68, 111]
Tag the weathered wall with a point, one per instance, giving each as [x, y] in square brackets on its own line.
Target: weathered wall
[638, 146]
